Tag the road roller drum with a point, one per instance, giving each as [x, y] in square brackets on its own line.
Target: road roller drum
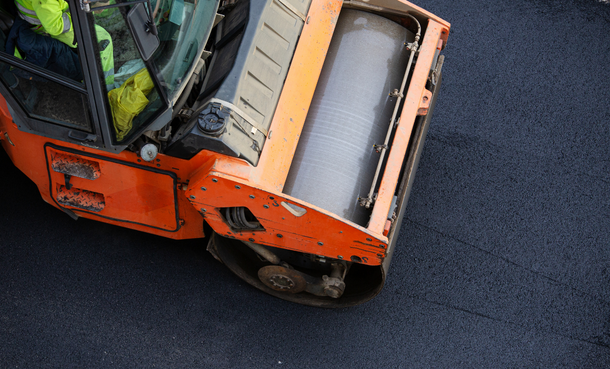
[350, 113]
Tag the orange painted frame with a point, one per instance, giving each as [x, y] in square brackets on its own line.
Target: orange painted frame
[413, 101]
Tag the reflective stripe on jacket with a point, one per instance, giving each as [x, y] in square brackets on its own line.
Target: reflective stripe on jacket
[50, 16]
[104, 43]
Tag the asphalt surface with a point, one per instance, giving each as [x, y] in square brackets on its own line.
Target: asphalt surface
[503, 259]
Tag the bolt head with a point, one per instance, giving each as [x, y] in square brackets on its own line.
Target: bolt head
[333, 292]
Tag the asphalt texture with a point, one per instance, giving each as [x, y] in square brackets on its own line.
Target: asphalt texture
[503, 258]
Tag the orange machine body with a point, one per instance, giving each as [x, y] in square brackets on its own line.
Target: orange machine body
[172, 197]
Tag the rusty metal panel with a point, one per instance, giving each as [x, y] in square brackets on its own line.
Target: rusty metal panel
[119, 191]
[79, 198]
[75, 166]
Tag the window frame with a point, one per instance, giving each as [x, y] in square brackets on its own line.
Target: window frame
[105, 115]
[102, 135]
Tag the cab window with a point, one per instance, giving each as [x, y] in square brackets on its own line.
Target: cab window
[133, 99]
[46, 100]
[43, 86]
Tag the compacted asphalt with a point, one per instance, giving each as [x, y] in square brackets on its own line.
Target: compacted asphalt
[503, 259]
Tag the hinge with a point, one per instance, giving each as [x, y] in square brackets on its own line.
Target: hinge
[84, 5]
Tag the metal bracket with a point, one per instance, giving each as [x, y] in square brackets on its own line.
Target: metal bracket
[67, 178]
[82, 136]
[380, 148]
[238, 111]
[367, 201]
[185, 113]
[165, 133]
[424, 104]
[396, 93]
[217, 19]
[84, 5]
[5, 135]
[435, 74]
[413, 46]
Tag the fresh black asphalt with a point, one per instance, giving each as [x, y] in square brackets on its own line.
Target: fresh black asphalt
[503, 260]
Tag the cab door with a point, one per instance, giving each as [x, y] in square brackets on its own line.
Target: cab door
[79, 109]
[43, 101]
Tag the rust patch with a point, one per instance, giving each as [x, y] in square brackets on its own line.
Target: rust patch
[75, 166]
[368, 244]
[79, 198]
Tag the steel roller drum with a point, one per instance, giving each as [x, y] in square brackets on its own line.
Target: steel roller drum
[335, 160]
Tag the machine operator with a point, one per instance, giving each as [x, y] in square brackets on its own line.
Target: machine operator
[53, 17]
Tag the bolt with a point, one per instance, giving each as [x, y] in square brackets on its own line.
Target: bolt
[266, 206]
[332, 291]
[340, 257]
[237, 186]
[192, 197]
[369, 239]
[279, 235]
[203, 210]
[251, 196]
[320, 243]
[203, 189]
[382, 246]
[271, 197]
[214, 180]
[251, 239]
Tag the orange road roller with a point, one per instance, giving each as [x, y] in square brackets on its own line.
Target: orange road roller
[284, 133]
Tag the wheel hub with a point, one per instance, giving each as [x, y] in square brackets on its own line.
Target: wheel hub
[282, 279]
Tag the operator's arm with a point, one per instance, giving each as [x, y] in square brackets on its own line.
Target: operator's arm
[53, 15]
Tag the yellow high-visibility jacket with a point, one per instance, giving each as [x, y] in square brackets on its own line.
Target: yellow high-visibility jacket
[48, 16]
[53, 18]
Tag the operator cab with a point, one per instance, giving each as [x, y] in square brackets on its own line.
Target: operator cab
[136, 59]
